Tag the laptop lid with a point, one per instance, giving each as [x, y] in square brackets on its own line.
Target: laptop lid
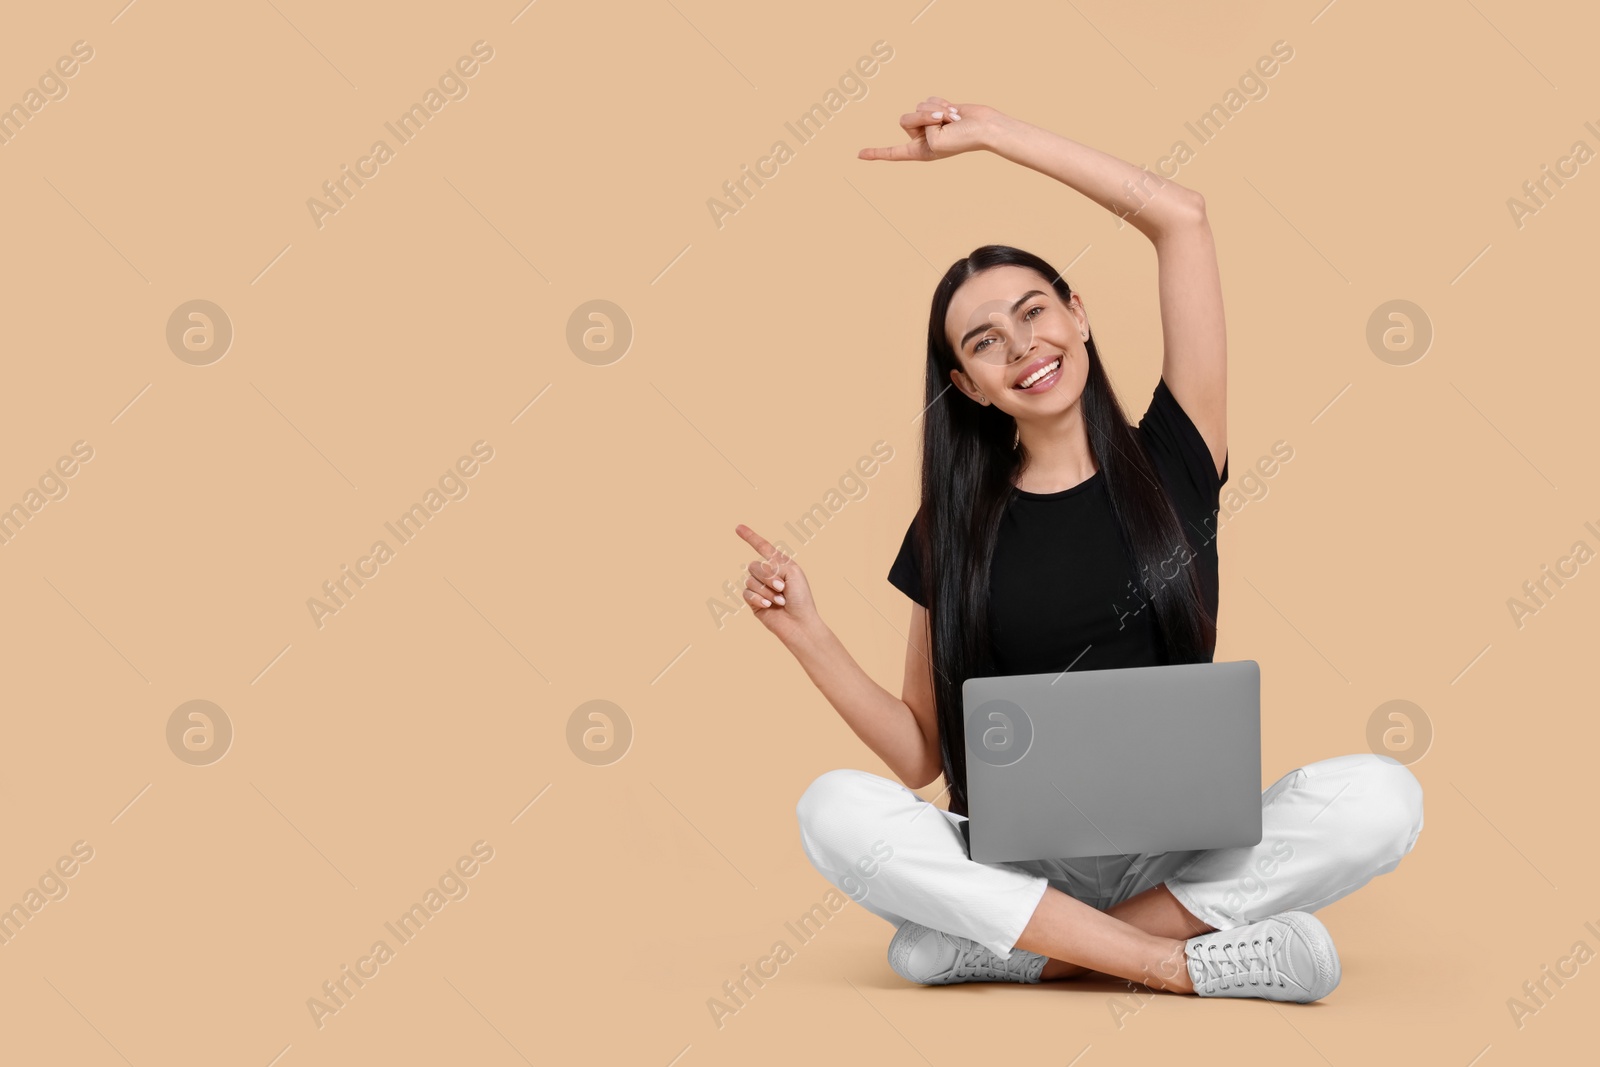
[1113, 762]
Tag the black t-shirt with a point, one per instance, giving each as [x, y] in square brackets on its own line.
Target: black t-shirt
[1063, 591]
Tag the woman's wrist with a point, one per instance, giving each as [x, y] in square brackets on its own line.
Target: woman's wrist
[809, 638]
[1004, 132]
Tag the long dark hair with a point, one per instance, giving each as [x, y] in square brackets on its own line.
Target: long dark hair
[968, 470]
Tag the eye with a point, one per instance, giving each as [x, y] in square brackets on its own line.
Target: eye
[1026, 316]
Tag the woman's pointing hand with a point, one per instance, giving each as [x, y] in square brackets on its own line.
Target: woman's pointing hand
[938, 129]
[777, 589]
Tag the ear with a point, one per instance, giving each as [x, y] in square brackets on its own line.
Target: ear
[964, 383]
[1080, 313]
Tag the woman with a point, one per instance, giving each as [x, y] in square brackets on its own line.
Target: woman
[1048, 526]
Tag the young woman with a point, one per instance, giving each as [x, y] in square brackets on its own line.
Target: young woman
[1053, 535]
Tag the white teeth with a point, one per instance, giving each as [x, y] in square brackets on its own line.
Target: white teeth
[1042, 372]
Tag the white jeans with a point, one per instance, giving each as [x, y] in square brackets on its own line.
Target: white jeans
[1327, 829]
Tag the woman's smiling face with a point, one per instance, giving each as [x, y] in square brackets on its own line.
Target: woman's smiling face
[1004, 325]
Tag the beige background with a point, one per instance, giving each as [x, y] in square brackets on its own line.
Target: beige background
[767, 357]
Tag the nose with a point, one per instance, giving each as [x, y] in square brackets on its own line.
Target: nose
[1025, 349]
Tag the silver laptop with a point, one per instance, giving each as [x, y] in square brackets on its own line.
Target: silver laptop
[1113, 762]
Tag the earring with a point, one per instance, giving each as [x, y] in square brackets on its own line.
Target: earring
[1017, 439]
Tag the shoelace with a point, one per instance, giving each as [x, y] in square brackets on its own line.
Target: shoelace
[976, 961]
[1252, 967]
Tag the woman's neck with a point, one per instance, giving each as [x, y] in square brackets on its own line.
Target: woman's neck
[1058, 453]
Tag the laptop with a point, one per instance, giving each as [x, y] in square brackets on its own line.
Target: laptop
[1113, 762]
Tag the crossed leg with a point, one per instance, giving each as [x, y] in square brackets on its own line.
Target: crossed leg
[1328, 828]
[1300, 865]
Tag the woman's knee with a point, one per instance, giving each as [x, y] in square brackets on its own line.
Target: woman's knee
[837, 805]
[1389, 809]
[838, 791]
[1402, 794]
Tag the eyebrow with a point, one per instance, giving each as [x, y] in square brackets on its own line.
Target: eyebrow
[1023, 299]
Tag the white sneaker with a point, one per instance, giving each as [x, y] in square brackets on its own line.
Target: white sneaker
[1288, 956]
[921, 954]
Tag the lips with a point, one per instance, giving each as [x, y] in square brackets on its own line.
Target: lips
[1036, 366]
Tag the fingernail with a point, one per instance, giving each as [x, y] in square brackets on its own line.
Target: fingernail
[766, 603]
[778, 584]
[780, 600]
[938, 114]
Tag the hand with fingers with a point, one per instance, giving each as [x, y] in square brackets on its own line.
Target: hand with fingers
[777, 590]
[939, 129]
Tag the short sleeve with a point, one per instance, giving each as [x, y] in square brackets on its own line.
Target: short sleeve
[905, 574]
[1175, 442]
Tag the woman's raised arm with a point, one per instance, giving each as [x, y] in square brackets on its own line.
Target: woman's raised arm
[1172, 216]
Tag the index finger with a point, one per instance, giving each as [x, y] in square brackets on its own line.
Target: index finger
[896, 152]
[759, 543]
